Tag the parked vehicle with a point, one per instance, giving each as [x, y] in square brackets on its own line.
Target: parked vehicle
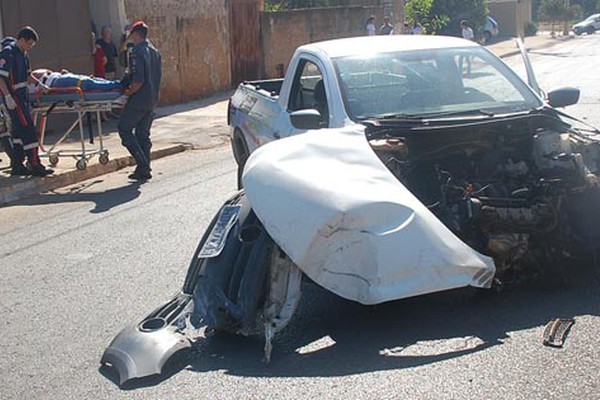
[415, 177]
[590, 25]
[490, 29]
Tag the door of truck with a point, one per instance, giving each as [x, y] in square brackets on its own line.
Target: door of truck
[307, 91]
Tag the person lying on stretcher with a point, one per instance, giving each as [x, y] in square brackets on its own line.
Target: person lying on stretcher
[47, 79]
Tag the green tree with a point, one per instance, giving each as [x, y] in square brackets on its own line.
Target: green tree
[588, 7]
[418, 12]
[455, 11]
[553, 10]
[557, 12]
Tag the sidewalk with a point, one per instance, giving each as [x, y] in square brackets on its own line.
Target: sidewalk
[197, 125]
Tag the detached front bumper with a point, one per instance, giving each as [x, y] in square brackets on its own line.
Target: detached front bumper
[143, 348]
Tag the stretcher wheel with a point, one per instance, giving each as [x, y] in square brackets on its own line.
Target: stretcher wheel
[53, 159]
[103, 158]
[81, 164]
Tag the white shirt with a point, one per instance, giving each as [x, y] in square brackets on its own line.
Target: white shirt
[371, 29]
[467, 33]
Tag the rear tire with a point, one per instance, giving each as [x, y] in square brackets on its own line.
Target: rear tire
[487, 37]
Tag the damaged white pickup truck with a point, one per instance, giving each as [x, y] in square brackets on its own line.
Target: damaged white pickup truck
[446, 171]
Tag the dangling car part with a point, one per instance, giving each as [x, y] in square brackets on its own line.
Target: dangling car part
[444, 179]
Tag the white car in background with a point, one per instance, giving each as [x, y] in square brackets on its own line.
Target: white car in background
[589, 25]
[490, 29]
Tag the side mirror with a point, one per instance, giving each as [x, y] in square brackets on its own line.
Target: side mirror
[306, 119]
[563, 97]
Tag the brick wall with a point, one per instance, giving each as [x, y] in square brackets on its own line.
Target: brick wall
[282, 32]
[193, 38]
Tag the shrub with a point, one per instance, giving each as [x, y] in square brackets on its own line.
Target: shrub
[530, 29]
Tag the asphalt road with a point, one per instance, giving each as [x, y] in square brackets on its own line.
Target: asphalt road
[79, 264]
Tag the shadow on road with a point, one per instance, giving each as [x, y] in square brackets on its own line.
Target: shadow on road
[103, 201]
[404, 334]
[331, 337]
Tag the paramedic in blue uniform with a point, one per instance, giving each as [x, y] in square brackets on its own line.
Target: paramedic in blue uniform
[142, 92]
[14, 74]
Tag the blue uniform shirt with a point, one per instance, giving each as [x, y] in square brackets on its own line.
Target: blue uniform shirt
[145, 69]
[14, 69]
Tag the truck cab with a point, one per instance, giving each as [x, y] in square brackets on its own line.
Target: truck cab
[308, 97]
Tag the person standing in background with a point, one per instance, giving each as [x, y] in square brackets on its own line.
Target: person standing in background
[110, 52]
[370, 26]
[99, 61]
[386, 28]
[467, 33]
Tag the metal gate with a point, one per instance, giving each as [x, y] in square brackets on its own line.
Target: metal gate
[245, 40]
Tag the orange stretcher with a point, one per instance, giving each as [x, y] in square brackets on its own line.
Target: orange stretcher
[83, 104]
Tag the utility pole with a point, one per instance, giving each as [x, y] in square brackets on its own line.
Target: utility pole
[399, 14]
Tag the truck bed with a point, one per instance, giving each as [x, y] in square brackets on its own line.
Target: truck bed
[271, 86]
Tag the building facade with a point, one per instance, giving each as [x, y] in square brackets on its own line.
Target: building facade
[512, 15]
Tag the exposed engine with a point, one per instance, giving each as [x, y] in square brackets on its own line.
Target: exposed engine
[511, 190]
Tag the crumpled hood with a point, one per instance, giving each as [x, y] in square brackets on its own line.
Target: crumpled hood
[350, 225]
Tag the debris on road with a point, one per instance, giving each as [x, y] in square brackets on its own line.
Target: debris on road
[556, 331]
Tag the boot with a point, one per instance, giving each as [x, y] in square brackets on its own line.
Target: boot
[143, 166]
[18, 154]
[140, 176]
[37, 168]
[16, 161]
[19, 170]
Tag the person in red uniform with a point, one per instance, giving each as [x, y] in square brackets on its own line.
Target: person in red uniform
[99, 62]
[14, 76]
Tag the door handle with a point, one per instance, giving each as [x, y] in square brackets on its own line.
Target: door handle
[276, 135]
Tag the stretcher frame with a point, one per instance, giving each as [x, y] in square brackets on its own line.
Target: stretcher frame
[82, 107]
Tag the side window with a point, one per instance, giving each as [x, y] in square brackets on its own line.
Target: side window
[308, 90]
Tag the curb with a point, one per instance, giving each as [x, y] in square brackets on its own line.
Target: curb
[31, 186]
[546, 44]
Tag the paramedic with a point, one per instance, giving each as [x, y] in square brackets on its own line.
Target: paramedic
[142, 93]
[14, 73]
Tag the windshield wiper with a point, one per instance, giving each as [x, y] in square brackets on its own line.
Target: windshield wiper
[458, 114]
[405, 117]
[424, 118]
